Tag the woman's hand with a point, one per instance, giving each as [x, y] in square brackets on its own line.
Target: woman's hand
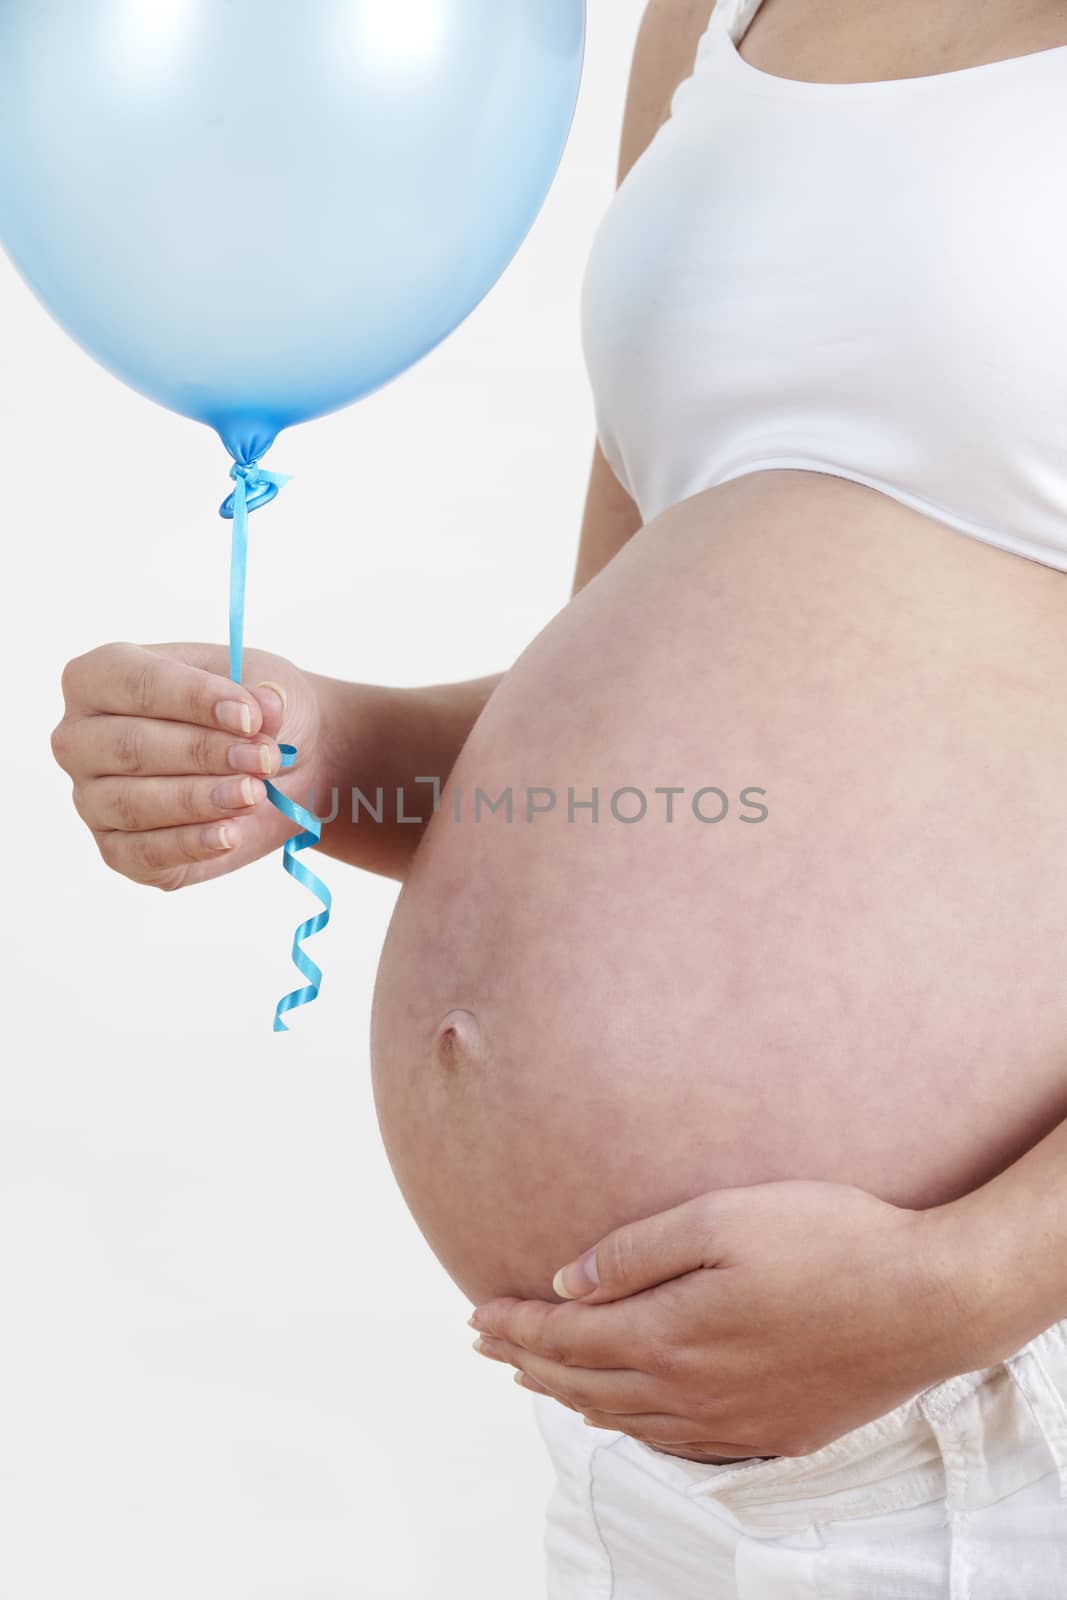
[755, 1321]
[168, 756]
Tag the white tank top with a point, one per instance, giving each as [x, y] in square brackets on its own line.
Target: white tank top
[864, 279]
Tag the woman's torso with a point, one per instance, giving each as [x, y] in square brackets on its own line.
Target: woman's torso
[578, 1021]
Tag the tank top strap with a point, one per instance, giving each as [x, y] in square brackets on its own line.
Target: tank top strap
[733, 17]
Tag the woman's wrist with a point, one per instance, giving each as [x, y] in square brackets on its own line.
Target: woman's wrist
[395, 748]
[1000, 1255]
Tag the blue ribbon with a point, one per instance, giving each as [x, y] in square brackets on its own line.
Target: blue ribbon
[254, 487]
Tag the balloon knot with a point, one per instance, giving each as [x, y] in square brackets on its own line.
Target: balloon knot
[260, 487]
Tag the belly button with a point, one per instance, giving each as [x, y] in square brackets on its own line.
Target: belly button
[458, 1041]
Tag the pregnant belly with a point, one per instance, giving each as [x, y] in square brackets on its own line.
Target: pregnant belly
[814, 926]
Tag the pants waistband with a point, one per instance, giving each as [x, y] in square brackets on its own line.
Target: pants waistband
[971, 1440]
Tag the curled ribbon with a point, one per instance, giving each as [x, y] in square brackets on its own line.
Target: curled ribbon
[254, 487]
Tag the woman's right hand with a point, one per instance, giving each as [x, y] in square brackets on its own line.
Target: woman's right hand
[168, 756]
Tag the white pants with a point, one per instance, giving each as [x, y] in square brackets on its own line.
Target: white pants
[959, 1493]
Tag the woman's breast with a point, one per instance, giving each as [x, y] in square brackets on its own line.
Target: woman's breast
[754, 867]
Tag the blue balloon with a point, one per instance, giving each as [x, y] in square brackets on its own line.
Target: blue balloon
[257, 211]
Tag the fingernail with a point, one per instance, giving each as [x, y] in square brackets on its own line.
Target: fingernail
[474, 1322]
[577, 1277]
[486, 1347]
[234, 716]
[250, 758]
[219, 838]
[278, 690]
[234, 793]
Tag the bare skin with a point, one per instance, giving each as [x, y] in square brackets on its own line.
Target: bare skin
[864, 988]
[842, 41]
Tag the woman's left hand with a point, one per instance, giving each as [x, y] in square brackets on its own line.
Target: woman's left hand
[756, 1321]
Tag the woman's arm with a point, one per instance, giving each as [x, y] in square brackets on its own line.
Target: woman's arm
[663, 55]
[1005, 1247]
[168, 758]
[384, 749]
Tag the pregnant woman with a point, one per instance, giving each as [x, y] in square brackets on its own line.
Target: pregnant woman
[731, 968]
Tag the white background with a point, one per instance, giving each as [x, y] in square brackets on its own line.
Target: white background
[230, 1367]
